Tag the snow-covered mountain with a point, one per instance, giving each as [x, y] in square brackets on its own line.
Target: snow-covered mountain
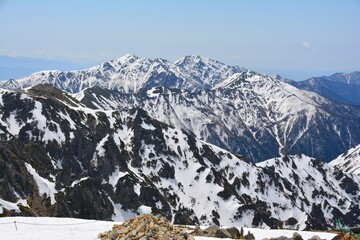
[249, 114]
[130, 73]
[60, 158]
[242, 111]
[349, 161]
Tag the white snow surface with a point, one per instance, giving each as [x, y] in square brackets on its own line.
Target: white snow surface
[44, 185]
[349, 161]
[12, 206]
[43, 228]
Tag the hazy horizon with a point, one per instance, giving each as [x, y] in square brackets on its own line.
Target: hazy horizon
[15, 67]
[297, 40]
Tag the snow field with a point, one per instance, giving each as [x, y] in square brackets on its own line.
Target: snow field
[44, 228]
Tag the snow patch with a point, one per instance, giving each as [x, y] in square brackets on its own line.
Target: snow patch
[115, 176]
[44, 185]
[12, 206]
[78, 181]
[147, 126]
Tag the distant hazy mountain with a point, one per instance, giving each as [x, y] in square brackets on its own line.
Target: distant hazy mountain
[15, 67]
[340, 87]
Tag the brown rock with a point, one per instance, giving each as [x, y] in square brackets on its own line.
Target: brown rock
[146, 227]
[315, 237]
[234, 232]
[216, 231]
[297, 236]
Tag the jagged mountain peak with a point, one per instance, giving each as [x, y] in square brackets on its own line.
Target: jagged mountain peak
[10, 84]
[206, 71]
[196, 59]
[129, 56]
[239, 77]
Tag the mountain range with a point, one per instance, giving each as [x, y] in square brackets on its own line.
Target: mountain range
[341, 87]
[61, 158]
[242, 111]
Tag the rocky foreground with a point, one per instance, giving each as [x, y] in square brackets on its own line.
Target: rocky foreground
[151, 227]
[146, 227]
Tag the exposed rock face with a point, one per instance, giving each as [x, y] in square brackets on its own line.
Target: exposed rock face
[59, 158]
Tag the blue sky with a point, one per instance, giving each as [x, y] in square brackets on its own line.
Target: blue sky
[297, 39]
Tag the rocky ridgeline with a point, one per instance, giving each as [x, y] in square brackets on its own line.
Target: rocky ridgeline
[150, 227]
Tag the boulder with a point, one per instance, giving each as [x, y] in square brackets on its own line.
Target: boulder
[216, 231]
[315, 237]
[234, 232]
[297, 236]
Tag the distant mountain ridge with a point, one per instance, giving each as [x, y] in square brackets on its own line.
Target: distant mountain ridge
[15, 67]
[130, 73]
[341, 87]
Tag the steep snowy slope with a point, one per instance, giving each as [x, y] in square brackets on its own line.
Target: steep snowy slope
[312, 181]
[59, 158]
[349, 161]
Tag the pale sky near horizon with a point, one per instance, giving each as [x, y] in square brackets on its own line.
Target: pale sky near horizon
[291, 38]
